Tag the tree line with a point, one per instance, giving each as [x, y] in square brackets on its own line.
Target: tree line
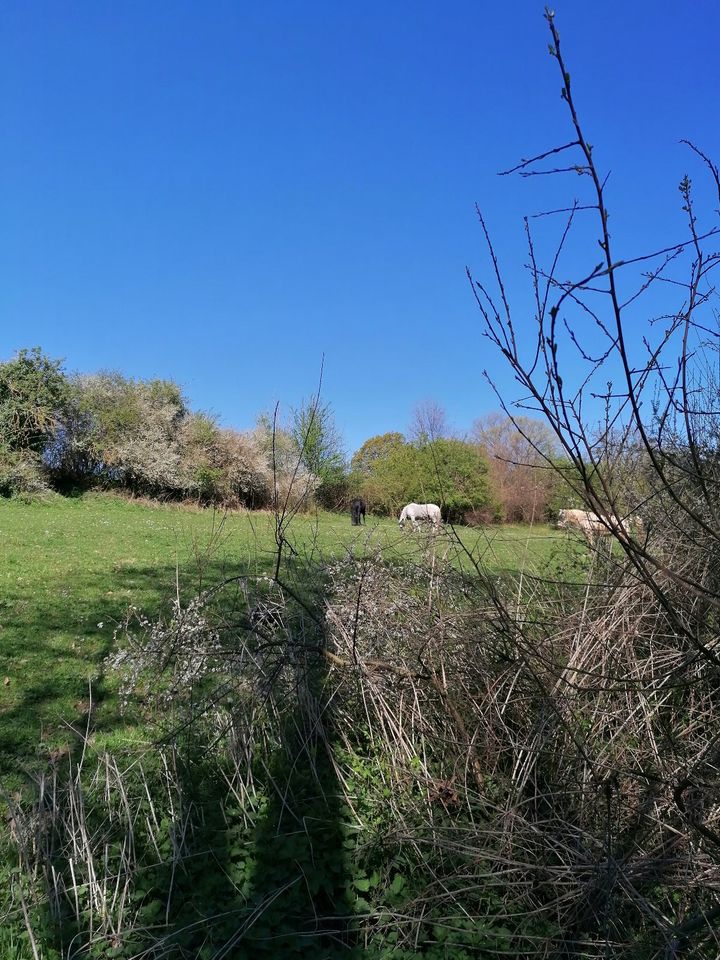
[70, 432]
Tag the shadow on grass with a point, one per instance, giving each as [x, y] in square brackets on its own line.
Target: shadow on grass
[278, 886]
[219, 873]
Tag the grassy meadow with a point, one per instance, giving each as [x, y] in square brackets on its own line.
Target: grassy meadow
[122, 845]
[70, 567]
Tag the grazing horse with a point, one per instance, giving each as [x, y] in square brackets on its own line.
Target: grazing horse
[357, 511]
[414, 512]
[589, 524]
[593, 526]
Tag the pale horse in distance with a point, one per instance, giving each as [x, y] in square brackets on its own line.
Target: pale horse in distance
[593, 526]
[415, 512]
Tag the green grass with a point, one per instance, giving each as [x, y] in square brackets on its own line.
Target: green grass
[69, 568]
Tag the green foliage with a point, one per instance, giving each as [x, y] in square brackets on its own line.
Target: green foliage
[454, 474]
[33, 394]
[373, 450]
[207, 482]
[451, 473]
[317, 440]
[305, 456]
[33, 391]
[202, 459]
[121, 432]
[389, 478]
[563, 491]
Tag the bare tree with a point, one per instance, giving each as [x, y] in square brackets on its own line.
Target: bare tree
[650, 396]
[635, 410]
[428, 423]
[522, 480]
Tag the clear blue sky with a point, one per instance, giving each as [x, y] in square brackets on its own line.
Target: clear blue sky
[221, 193]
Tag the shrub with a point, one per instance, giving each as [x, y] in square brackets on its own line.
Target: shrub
[375, 449]
[222, 466]
[33, 392]
[245, 467]
[121, 432]
[21, 473]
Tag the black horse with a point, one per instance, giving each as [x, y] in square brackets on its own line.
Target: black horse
[357, 511]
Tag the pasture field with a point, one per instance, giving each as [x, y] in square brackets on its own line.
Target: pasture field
[70, 567]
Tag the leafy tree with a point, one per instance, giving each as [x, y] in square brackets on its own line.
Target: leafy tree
[374, 449]
[454, 474]
[319, 449]
[388, 477]
[33, 393]
[449, 472]
[318, 440]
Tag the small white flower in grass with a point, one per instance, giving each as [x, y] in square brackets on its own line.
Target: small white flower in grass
[101, 625]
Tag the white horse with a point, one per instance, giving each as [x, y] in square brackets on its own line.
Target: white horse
[589, 524]
[414, 512]
[592, 526]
